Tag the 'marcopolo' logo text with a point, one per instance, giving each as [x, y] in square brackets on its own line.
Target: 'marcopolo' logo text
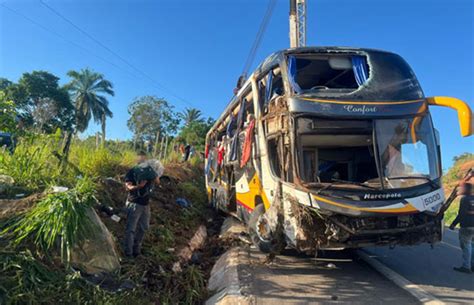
[383, 196]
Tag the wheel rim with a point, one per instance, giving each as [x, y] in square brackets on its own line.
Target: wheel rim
[262, 229]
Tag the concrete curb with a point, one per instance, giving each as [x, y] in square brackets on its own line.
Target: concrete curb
[419, 293]
[224, 281]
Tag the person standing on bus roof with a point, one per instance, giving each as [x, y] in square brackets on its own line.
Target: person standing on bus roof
[465, 218]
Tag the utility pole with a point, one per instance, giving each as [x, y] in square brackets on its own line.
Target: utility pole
[297, 23]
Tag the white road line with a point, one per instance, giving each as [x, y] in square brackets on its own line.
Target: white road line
[449, 245]
[419, 293]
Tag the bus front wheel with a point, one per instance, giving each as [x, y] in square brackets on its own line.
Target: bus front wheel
[261, 234]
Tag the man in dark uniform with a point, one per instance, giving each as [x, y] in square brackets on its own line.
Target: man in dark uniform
[465, 218]
[138, 208]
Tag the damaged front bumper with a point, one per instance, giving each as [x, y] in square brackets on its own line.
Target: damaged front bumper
[342, 232]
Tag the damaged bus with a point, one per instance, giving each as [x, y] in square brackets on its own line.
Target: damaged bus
[331, 148]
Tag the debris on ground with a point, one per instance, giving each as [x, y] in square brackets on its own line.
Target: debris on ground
[97, 254]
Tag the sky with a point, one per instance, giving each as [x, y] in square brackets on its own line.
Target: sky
[192, 52]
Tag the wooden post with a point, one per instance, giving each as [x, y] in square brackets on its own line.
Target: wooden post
[161, 146]
[96, 140]
[155, 150]
[166, 148]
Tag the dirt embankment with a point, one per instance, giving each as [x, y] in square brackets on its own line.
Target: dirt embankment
[172, 226]
[151, 278]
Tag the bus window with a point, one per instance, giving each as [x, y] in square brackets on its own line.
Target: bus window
[276, 85]
[274, 157]
[270, 87]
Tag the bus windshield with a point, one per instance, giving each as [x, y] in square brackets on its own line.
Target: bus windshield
[407, 151]
[344, 153]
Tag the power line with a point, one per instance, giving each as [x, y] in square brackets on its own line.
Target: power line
[259, 36]
[161, 86]
[64, 38]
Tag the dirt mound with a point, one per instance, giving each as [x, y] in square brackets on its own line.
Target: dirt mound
[11, 207]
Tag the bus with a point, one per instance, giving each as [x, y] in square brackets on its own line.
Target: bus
[331, 148]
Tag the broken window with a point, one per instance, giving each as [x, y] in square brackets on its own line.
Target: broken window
[274, 156]
[371, 76]
[333, 150]
[322, 72]
[407, 149]
[279, 153]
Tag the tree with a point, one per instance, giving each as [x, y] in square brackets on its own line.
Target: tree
[4, 83]
[190, 115]
[7, 114]
[195, 133]
[88, 89]
[150, 115]
[39, 92]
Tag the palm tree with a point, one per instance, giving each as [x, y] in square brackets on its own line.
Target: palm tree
[190, 115]
[87, 89]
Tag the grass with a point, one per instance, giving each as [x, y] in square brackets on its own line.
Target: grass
[29, 268]
[100, 162]
[26, 280]
[59, 219]
[451, 213]
[33, 165]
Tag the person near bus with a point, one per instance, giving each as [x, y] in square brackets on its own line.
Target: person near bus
[465, 219]
[138, 209]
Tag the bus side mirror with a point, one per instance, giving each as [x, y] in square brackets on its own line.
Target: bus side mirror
[464, 112]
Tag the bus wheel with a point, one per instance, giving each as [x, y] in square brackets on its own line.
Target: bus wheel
[214, 200]
[260, 233]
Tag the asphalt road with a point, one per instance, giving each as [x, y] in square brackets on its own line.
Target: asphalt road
[431, 269]
[332, 278]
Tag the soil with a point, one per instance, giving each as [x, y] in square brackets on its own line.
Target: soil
[152, 270]
[12, 207]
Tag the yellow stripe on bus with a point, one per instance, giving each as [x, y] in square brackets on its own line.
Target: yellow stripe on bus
[360, 102]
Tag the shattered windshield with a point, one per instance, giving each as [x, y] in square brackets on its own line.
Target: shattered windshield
[377, 76]
[343, 152]
[407, 151]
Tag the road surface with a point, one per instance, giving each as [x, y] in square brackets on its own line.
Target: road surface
[298, 279]
[431, 269]
[337, 277]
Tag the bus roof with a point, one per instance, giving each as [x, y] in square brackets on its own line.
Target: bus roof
[279, 56]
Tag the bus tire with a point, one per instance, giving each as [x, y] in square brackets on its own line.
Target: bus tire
[214, 200]
[266, 245]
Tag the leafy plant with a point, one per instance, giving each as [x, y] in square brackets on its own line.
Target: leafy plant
[26, 280]
[59, 219]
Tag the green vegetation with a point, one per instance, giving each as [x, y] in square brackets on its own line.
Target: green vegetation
[58, 219]
[33, 165]
[462, 164]
[37, 240]
[26, 280]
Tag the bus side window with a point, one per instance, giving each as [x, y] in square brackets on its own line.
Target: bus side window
[274, 157]
[277, 85]
[262, 89]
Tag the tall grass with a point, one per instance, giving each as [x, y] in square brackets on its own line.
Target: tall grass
[33, 165]
[100, 162]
